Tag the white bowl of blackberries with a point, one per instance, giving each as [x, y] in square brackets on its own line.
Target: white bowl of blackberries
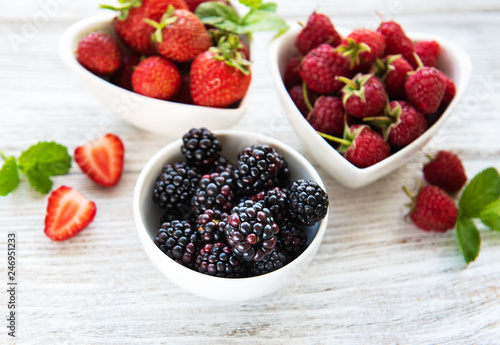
[230, 215]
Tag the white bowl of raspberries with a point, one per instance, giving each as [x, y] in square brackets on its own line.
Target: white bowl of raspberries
[230, 215]
[364, 101]
[156, 66]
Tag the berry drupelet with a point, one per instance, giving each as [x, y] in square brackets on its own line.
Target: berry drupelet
[276, 200]
[217, 259]
[178, 240]
[292, 239]
[215, 191]
[308, 201]
[251, 231]
[175, 187]
[210, 226]
[270, 263]
[200, 147]
[256, 168]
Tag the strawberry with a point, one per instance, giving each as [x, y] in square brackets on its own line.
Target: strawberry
[328, 115]
[292, 76]
[318, 30]
[362, 46]
[363, 96]
[361, 146]
[401, 123]
[428, 52]
[123, 77]
[391, 71]
[193, 4]
[131, 27]
[425, 89]
[68, 213]
[320, 68]
[180, 35]
[220, 76]
[156, 77]
[297, 95]
[102, 159]
[449, 91]
[432, 209]
[396, 40]
[445, 171]
[99, 53]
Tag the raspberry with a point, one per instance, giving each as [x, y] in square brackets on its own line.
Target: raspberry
[318, 30]
[297, 95]
[396, 40]
[363, 96]
[428, 52]
[391, 71]
[292, 76]
[446, 171]
[328, 115]
[363, 46]
[425, 89]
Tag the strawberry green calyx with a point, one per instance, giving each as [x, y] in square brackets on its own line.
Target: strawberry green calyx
[354, 86]
[167, 19]
[123, 8]
[352, 50]
[382, 67]
[227, 50]
[391, 118]
[346, 142]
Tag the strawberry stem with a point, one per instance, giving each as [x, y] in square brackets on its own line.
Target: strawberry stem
[306, 97]
[335, 139]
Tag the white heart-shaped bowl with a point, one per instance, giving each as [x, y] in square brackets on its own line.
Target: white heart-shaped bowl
[147, 215]
[168, 118]
[452, 60]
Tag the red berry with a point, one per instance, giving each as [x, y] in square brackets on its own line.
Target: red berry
[446, 171]
[428, 52]
[408, 125]
[363, 46]
[214, 82]
[433, 209]
[396, 40]
[68, 213]
[363, 96]
[425, 89]
[102, 159]
[392, 71]
[319, 30]
[449, 92]
[123, 78]
[297, 95]
[320, 68]
[180, 35]
[156, 77]
[99, 53]
[328, 115]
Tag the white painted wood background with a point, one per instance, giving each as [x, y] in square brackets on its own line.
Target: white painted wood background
[375, 280]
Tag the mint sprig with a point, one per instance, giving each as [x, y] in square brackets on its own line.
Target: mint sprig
[480, 199]
[260, 17]
[38, 163]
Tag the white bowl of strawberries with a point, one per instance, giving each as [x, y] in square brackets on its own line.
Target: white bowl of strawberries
[355, 98]
[153, 65]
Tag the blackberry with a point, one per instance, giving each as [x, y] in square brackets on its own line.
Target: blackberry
[210, 226]
[178, 240]
[175, 187]
[251, 230]
[200, 147]
[217, 259]
[276, 200]
[256, 169]
[222, 164]
[215, 191]
[282, 180]
[270, 263]
[292, 239]
[308, 201]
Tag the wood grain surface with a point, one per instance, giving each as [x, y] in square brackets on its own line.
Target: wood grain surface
[376, 279]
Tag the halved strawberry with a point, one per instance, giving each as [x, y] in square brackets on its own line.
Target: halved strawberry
[68, 213]
[102, 159]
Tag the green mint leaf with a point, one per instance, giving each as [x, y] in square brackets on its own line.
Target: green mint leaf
[251, 3]
[468, 238]
[49, 158]
[40, 181]
[256, 20]
[268, 7]
[9, 177]
[482, 190]
[217, 12]
[490, 215]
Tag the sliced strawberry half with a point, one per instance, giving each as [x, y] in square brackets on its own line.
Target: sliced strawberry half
[68, 213]
[102, 159]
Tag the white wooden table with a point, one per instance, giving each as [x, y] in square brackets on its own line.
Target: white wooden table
[375, 280]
